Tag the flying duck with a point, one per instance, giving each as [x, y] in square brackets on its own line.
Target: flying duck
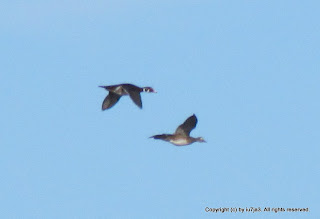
[182, 135]
[116, 91]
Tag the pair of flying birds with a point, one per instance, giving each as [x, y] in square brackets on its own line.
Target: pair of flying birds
[181, 136]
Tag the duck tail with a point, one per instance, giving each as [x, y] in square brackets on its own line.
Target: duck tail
[162, 137]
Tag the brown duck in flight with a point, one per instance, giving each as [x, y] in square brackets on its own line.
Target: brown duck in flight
[182, 135]
[119, 90]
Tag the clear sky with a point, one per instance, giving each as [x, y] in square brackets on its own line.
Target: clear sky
[249, 70]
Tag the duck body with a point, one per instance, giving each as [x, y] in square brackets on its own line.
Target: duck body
[122, 89]
[182, 137]
[177, 140]
[119, 90]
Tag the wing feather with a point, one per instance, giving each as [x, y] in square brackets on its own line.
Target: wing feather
[136, 98]
[110, 100]
[186, 127]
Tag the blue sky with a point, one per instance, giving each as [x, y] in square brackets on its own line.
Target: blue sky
[249, 70]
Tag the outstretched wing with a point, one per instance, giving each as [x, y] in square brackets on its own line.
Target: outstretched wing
[134, 93]
[136, 98]
[110, 100]
[187, 126]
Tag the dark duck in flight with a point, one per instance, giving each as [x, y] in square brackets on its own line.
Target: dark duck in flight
[119, 90]
[182, 135]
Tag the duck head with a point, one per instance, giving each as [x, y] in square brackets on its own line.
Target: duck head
[148, 90]
[200, 139]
